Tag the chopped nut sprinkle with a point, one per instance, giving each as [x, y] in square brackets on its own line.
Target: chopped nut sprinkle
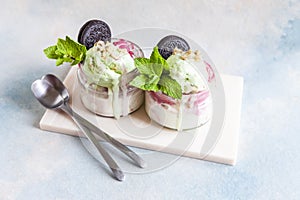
[193, 55]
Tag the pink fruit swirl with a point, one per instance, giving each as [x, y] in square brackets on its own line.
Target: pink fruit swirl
[195, 103]
[124, 44]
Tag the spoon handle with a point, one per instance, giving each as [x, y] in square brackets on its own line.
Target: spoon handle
[117, 172]
[131, 154]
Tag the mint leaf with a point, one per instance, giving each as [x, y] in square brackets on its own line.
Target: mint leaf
[145, 66]
[62, 46]
[157, 68]
[170, 87]
[50, 52]
[58, 53]
[153, 80]
[139, 81]
[158, 59]
[145, 82]
[142, 64]
[59, 61]
[75, 62]
[74, 50]
[66, 51]
[154, 76]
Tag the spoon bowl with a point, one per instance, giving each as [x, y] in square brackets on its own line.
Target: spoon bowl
[46, 94]
[58, 85]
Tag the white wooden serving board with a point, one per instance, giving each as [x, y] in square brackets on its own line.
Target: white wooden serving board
[152, 136]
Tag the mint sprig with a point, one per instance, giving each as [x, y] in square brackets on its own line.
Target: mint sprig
[66, 51]
[155, 75]
[170, 87]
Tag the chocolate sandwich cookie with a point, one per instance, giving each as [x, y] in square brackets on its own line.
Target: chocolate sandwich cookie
[93, 31]
[167, 44]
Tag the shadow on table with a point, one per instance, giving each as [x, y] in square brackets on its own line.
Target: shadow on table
[18, 99]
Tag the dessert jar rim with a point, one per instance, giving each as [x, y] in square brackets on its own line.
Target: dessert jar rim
[137, 46]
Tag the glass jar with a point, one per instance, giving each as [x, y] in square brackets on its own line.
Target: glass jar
[109, 102]
[191, 111]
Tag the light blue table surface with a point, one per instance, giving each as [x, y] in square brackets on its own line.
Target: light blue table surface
[259, 40]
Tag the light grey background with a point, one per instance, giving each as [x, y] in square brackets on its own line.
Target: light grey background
[258, 40]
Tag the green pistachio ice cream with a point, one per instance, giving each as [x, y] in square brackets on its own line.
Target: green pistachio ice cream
[185, 74]
[105, 63]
